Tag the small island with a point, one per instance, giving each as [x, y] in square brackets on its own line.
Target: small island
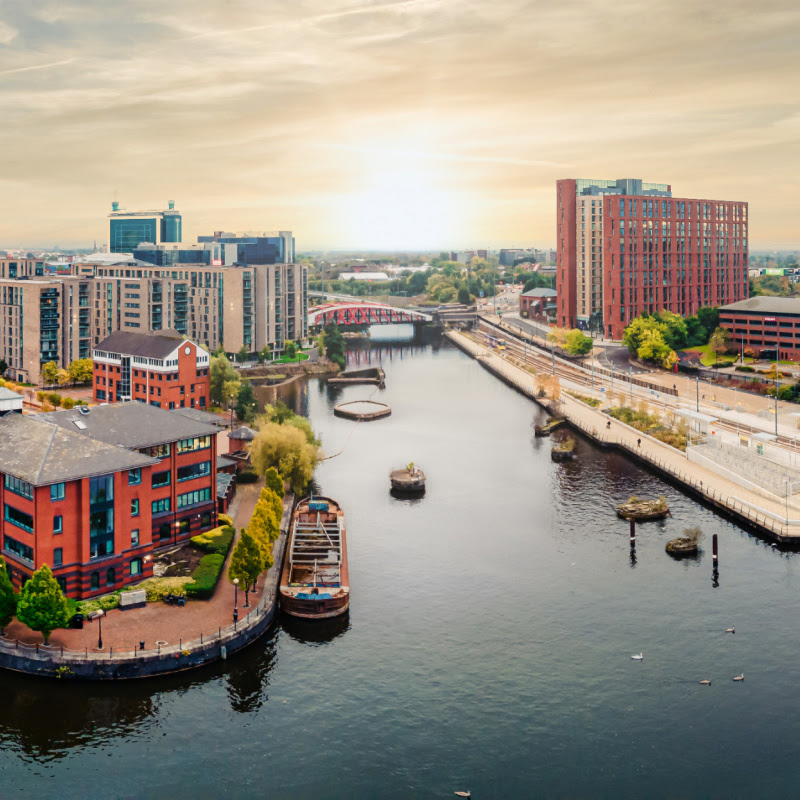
[685, 545]
[409, 480]
[549, 426]
[563, 451]
[643, 510]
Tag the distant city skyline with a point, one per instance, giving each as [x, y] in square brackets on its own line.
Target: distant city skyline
[393, 125]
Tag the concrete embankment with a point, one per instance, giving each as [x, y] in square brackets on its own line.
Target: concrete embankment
[55, 662]
[766, 517]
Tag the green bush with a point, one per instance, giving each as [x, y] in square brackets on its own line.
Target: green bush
[41, 395]
[248, 476]
[745, 369]
[68, 403]
[107, 602]
[224, 519]
[158, 588]
[54, 398]
[217, 540]
[786, 393]
[205, 577]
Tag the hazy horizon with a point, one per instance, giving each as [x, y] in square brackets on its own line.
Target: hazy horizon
[395, 125]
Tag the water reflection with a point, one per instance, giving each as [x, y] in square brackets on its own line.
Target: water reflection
[248, 677]
[316, 632]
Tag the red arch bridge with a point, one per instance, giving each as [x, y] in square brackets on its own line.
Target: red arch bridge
[363, 314]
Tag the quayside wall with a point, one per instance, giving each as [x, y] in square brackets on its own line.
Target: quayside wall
[756, 513]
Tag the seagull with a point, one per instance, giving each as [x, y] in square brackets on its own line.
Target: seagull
[640, 657]
[739, 677]
[463, 794]
[705, 683]
[730, 630]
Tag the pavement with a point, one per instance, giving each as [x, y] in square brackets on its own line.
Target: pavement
[123, 630]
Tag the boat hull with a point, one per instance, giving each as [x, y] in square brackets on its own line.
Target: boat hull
[314, 609]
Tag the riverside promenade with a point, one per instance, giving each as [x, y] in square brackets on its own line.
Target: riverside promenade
[761, 514]
[176, 637]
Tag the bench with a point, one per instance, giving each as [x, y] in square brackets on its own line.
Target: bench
[135, 599]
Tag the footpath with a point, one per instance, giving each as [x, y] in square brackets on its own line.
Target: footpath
[764, 515]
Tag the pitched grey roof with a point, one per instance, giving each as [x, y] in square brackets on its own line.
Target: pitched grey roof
[158, 344]
[766, 305]
[244, 433]
[8, 394]
[132, 425]
[202, 416]
[42, 453]
[540, 293]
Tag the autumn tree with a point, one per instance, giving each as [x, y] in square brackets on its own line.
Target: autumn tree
[247, 563]
[63, 377]
[718, 342]
[577, 343]
[274, 481]
[286, 448]
[81, 370]
[42, 605]
[50, 373]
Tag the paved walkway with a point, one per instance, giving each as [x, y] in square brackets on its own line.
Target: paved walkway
[123, 630]
[765, 513]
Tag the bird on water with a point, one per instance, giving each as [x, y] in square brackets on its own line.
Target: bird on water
[639, 657]
[705, 683]
[730, 630]
[739, 677]
[463, 794]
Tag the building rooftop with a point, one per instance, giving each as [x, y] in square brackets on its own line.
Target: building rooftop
[766, 305]
[42, 453]
[157, 344]
[202, 416]
[130, 425]
[540, 293]
[244, 433]
[7, 394]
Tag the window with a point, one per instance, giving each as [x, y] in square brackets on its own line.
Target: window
[62, 584]
[183, 526]
[56, 492]
[190, 445]
[160, 479]
[136, 566]
[20, 487]
[58, 556]
[19, 518]
[193, 498]
[95, 580]
[135, 537]
[110, 576]
[134, 477]
[58, 524]
[161, 506]
[19, 549]
[192, 471]
[101, 489]
[135, 508]
[156, 451]
[164, 531]
[205, 520]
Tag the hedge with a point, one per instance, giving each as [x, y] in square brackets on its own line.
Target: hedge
[248, 476]
[224, 519]
[745, 369]
[217, 540]
[205, 577]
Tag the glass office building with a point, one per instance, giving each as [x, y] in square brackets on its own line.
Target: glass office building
[127, 230]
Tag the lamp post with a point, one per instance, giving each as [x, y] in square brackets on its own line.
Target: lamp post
[100, 631]
[235, 599]
[697, 387]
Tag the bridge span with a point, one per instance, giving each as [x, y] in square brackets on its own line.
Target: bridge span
[363, 313]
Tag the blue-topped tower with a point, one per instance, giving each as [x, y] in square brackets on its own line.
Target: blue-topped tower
[128, 229]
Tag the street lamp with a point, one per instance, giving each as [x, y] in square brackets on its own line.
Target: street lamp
[100, 630]
[235, 599]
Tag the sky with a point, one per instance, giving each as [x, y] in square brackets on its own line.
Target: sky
[392, 124]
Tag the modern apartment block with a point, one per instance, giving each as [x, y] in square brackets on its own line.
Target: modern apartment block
[625, 246]
[93, 492]
[128, 229]
[161, 369]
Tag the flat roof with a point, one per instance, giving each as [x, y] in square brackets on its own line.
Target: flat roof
[695, 415]
[131, 425]
[766, 305]
[36, 451]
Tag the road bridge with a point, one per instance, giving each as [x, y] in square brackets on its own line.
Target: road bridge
[363, 313]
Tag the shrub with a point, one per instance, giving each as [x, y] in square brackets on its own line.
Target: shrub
[54, 398]
[224, 519]
[68, 403]
[41, 396]
[157, 589]
[217, 540]
[205, 577]
[107, 602]
[248, 476]
[745, 369]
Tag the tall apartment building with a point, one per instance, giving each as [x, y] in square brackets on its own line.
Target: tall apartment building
[128, 229]
[625, 246]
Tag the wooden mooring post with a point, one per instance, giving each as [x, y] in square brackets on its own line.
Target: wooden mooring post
[633, 532]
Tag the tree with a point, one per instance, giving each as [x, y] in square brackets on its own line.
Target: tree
[304, 425]
[290, 351]
[63, 377]
[287, 449]
[274, 481]
[81, 370]
[230, 391]
[246, 403]
[247, 563]
[321, 343]
[50, 372]
[652, 347]
[718, 342]
[221, 371]
[675, 330]
[42, 605]
[3, 366]
[8, 598]
[242, 354]
[275, 503]
[464, 296]
[264, 354]
[558, 336]
[334, 344]
[577, 343]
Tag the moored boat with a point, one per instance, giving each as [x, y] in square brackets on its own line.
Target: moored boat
[315, 582]
[410, 479]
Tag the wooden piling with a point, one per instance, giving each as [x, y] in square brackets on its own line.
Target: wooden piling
[633, 532]
[714, 548]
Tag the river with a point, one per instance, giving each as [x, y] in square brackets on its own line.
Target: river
[489, 641]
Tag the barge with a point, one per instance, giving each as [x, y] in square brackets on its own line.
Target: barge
[315, 582]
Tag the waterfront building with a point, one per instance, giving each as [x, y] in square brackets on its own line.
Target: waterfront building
[538, 303]
[161, 368]
[92, 492]
[625, 247]
[768, 325]
[128, 229]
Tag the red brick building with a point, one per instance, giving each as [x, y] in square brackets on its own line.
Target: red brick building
[624, 247]
[163, 369]
[93, 492]
[537, 303]
[765, 324]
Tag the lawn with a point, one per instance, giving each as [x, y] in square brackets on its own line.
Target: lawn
[287, 360]
[708, 357]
